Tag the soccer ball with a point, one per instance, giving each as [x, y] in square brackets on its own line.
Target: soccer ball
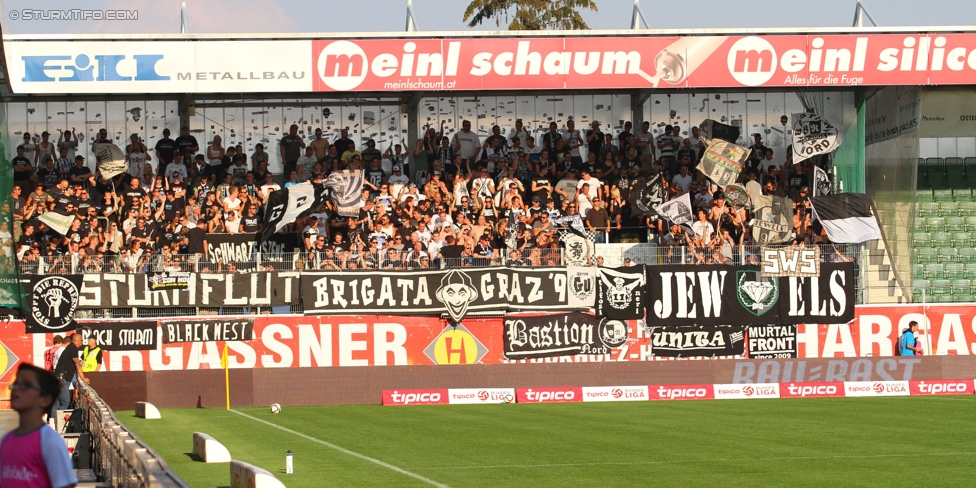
[275, 408]
[509, 399]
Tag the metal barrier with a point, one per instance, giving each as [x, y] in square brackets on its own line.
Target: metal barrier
[118, 456]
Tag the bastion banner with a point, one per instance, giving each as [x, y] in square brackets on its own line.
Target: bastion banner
[292, 341]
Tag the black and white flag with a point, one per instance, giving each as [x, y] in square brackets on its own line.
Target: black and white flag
[620, 293]
[111, 161]
[345, 191]
[774, 220]
[697, 341]
[710, 129]
[813, 135]
[284, 206]
[723, 162]
[848, 218]
[821, 182]
[53, 302]
[678, 211]
[650, 195]
[57, 221]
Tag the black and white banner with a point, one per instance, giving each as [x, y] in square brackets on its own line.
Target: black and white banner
[848, 218]
[169, 280]
[737, 196]
[650, 195]
[620, 293]
[678, 210]
[710, 129]
[561, 335]
[123, 290]
[790, 261]
[774, 220]
[723, 162]
[243, 248]
[345, 191]
[723, 294]
[697, 341]
[813, 135]
[284, 206]
[53, 302]
[455, 292]
[772, 341]
[581, 285]
[135, 335]
[821, 182]
[237, 329]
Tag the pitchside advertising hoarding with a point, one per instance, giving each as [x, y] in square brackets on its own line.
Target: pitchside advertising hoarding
[292, 341]
[488, 63]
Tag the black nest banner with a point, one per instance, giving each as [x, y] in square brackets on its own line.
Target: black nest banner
[137, 335]
[697, 341]
[207, 330]
[561, 335]
[772, 341]
[720, 295]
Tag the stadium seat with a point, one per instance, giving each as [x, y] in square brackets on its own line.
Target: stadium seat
[955, 172]
[929, 209]
[961, 287]
[940, 287]
[922, 239]
[966, 208]
[955, 224]
[934, 271]
[926, 255]
[964, 194]
[941, 239]
[970, 223]
[948, 209]
[935, 173]
[964, 242]
[919, 285]
[935, 224]
[970, 171]
[970, 270]
[955, 271]
[942, 194]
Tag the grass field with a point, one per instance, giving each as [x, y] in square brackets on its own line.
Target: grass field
[832, 441]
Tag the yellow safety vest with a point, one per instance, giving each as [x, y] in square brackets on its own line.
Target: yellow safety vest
[90, 358]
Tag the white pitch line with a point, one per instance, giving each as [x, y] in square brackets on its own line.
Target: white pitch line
[787, 458]
[345, 451]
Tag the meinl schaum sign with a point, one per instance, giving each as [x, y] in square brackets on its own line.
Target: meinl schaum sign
[720, 295]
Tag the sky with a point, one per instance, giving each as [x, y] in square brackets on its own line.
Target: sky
[318, 16]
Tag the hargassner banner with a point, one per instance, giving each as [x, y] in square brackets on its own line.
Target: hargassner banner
[489, 63]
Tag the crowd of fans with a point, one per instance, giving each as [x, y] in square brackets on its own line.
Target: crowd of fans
[470, 200]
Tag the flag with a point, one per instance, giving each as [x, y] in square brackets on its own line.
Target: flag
[848, 218]
[710, 129]
[57, 221]
[223, 358]
[512, 231]
[821, 182]
[345, 191]
[774, 220]
[678, 211]
[737, 196]
[110, 169]
[723, 161]
[813, 135]
[575, 225]
[108, 152]
[650, 195]
[284, 206]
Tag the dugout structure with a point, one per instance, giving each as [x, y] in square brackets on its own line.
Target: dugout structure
[892, 89]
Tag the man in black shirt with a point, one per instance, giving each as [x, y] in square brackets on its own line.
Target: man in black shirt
[187, 144]
[23, 168]
[343, 143]
[165, 149]
[594, 139]
[197, 237]
[251, 223]
[68, 366]
[80, 174]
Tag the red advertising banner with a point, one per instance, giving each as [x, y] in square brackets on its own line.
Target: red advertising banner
[941, 387]
[805, 390]
[499, 63]
[681, 392]
[570, 394]
[416, 397]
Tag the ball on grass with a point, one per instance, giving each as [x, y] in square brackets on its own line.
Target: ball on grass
[275, 408]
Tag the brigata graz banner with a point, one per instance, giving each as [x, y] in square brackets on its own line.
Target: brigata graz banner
[720, 295]
[123, 290]
[456, 292]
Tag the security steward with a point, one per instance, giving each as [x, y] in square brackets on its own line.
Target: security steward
[91, 357]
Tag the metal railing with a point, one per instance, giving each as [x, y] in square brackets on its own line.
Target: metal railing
[118, 456]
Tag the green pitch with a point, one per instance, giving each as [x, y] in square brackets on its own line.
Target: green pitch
[813, 442]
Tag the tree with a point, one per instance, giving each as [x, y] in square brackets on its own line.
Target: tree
[530, 14]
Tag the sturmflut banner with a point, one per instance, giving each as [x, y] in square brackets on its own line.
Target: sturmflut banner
[720, 295]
